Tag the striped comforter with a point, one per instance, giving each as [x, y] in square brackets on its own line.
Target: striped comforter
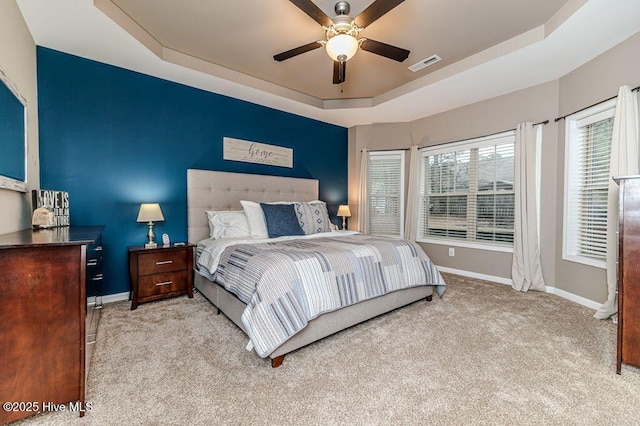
[285, 284]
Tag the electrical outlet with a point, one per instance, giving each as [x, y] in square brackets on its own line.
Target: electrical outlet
[452, 251]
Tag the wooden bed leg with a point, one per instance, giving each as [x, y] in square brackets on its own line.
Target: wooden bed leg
[429, 298]
[277, 361]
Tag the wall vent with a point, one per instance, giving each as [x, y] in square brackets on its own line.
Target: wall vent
[425, 63]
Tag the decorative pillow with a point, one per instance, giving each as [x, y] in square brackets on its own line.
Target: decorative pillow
[255, 219]
[313, 217]
[227, 223]
[281, 220]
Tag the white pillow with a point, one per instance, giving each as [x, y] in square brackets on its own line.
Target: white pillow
[227, 223]
[255, 219]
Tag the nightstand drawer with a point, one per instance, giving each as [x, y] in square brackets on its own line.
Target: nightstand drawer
[162, 261]
[152, 285]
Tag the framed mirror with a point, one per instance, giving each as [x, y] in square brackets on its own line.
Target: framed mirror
[13, 136]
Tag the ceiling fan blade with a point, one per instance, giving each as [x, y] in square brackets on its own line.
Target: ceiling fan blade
[384, 49]
[297, 51]
[308, 7]
[339, 72]
[375, 11]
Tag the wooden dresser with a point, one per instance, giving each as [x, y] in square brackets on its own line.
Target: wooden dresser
[629, 272]
[50, 287]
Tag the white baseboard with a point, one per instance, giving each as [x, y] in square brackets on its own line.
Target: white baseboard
[574, 298]
[477, 275]
[501, 280]
[117, 297]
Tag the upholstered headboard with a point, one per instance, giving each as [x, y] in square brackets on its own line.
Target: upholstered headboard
[211, 190]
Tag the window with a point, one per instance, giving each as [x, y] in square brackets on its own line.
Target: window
[386, 193]
[466, 191]
[588, 150]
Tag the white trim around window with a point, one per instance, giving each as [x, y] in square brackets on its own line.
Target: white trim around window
[586, 179]
[468, 244]
[467, 193]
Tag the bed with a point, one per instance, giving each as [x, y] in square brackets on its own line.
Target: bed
[220, 191]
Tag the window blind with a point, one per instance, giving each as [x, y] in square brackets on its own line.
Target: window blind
[467, 190]
[588, 182]
[386, 193]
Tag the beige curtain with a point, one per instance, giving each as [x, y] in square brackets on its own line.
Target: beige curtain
[526, 270]
[624, 162]
[411, 212]
[363, 207]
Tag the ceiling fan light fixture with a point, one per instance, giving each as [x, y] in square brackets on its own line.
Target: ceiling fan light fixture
[342, 47]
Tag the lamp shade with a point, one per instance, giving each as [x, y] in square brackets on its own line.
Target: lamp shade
[150, 213]
[344, 211]
[342, 47]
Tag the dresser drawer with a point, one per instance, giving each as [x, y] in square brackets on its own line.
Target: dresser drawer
[157, 262]
[153, 285]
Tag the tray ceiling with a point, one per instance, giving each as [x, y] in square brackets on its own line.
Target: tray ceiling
[489, 48]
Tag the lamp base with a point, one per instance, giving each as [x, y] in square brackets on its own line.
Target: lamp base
[150, 243]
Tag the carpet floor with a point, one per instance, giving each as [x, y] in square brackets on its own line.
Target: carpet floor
[482, 354]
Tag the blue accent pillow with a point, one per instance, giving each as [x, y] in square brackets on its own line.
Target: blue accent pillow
[281, 220]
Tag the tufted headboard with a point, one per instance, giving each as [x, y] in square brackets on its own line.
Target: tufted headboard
[211, 190]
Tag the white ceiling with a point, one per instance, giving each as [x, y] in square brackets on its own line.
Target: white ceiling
[553, 42]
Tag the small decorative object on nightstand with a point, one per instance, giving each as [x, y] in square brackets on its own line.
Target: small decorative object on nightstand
[160, 273]
[150, 213]
[344, 212]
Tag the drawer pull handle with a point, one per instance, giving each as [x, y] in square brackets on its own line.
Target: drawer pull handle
[164, 283]
[165, 262]
[99, 248]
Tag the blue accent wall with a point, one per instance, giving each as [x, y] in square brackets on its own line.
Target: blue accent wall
[114, 139]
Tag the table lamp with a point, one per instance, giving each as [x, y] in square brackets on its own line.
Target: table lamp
[344, 212]
[150, 213]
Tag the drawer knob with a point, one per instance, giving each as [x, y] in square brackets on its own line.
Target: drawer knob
[164, 262]
[164, 283]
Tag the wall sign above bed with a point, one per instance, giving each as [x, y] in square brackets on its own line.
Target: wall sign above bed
[254, 152]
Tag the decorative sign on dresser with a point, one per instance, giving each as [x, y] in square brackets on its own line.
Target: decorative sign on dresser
[50, 208]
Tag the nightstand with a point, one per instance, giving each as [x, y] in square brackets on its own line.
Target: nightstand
[160, 273]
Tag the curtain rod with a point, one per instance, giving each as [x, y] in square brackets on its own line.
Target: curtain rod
[591, 106]
[461, 140]
[478, 137]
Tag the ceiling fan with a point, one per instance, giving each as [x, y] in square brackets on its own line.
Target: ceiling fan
[342, 31]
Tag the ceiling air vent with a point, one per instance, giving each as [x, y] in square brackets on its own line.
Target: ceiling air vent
[425, 63]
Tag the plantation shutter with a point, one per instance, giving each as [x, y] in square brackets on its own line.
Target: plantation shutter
[386, 193]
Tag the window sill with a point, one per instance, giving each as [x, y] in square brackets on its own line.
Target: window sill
[601, 264]
[468, 244]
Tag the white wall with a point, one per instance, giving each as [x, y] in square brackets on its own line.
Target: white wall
[594, 81]
[18, 59]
